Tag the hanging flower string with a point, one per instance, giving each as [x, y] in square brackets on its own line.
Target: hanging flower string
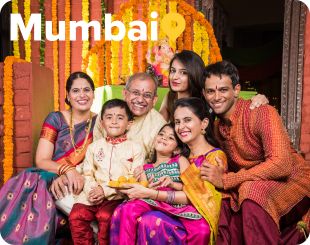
[55, 56]
[28, 41]
[15, 43]
[8, 116]
[42, 42]
[67, 42]
[85, 17]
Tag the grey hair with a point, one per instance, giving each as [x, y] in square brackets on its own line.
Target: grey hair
[141, 76]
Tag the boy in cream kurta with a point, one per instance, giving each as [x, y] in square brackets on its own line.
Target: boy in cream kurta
[106, 159]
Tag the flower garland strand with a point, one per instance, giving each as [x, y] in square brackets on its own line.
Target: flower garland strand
[162, 12]
[15, 43]
[126, 50]
[67, 42]
[144, 43]
[108, 57]
[197, 43]
[55, 56]
[42, 42]
[172, 9]
[8, 116]
[206, 44]
[28, 41]
[85, 18]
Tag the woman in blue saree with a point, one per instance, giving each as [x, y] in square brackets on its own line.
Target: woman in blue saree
[28, 212]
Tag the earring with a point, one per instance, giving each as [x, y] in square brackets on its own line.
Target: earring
[203, 131]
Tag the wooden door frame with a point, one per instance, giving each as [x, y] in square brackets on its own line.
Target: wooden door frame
[292, 68]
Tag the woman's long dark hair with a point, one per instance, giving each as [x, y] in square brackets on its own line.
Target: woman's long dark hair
[180, 144]
[200, 108]
[194, 66]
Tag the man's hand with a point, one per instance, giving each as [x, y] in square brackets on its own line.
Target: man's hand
[75, 181]
[213, 173]
[258, 100]
[96, 195]
[59, 187]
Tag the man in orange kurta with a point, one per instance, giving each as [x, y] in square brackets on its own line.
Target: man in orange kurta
[266, 177]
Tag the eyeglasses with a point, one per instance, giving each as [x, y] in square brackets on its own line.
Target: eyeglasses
[137, 93]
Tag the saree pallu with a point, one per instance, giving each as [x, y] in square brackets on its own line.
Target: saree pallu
[202, 194]
[27, 208]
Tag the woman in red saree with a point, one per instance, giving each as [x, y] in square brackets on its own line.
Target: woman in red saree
[27, 207]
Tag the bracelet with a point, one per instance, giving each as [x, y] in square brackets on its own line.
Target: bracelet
[170, 197]
[157, 195]
[64, 168]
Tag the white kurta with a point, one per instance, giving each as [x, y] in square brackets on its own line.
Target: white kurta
[104, 162]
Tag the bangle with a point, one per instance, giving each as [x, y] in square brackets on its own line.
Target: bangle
[170, 197]
[157, 195]
[64, 168]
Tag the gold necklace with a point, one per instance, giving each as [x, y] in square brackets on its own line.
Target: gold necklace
[78, 150]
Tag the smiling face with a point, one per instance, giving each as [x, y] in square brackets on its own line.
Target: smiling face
[81, 95]
[140, 96]
[115, 121]
[178, 77]
[221, 95]
[165, 142]
[188, 126]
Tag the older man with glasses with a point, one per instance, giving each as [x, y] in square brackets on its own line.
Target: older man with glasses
[140, 93]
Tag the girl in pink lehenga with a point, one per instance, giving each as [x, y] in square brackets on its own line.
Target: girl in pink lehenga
[166, 196]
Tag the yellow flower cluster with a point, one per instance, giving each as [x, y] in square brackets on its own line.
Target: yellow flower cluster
[55, 56]
[15, 43]
[8, 116]
[172, 9]
[197, 43]
[127, 46]
[114, 60]
[162, 12]
[85, 17]
[206, 45]
[28, 41]
[92, 69]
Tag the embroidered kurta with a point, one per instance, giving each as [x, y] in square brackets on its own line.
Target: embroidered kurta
[263, 166]
[104, 162]
[143, 129]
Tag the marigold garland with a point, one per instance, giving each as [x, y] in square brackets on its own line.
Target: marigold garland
[8, 116]
[162, 12]
[172, 9]
[108, 56]
[134, 51]
[55, 56]
[15, 43]
[28, 41]
[197, 43]
[67, 42]
[42, 42]
[85, 18]
[207, 45]
[126, 50]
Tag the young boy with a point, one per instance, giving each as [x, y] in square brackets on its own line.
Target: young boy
[106, 159]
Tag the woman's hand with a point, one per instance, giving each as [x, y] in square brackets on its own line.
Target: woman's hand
[59, 187]
[96, 195]
[136, 191]
[75, 181]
